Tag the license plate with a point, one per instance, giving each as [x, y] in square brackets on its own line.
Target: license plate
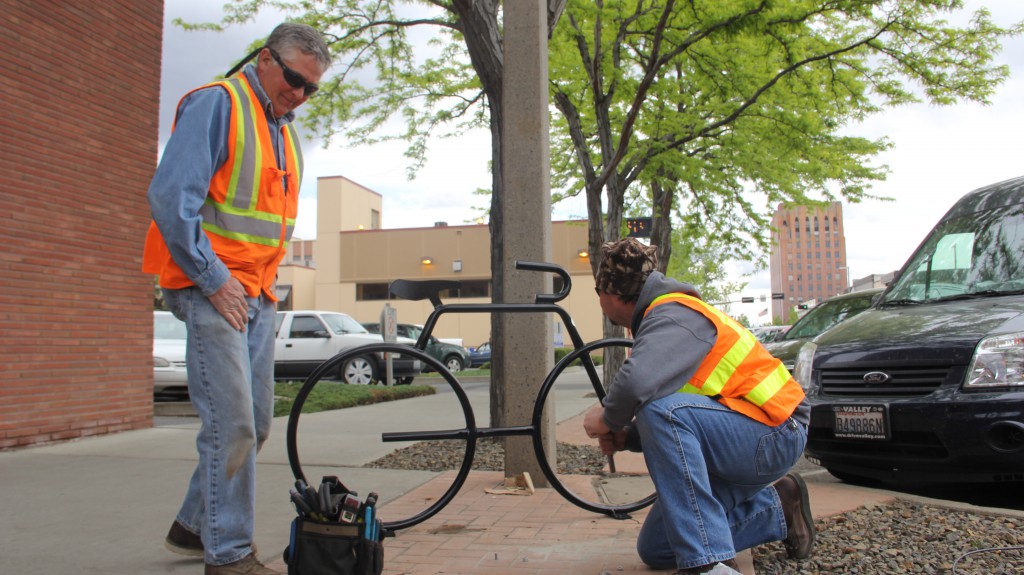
[861, 421]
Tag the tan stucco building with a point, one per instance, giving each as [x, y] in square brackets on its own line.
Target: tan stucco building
[353, 260]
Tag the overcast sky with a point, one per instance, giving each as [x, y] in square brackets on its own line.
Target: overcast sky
[939, 153]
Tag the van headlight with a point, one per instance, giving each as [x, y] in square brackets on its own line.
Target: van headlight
[998, 362]
[804, 362]
[160, 362]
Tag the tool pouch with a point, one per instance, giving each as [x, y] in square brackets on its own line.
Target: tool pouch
[318, 548]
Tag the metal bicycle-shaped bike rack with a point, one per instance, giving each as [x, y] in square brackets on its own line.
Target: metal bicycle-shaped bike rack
[470, 433]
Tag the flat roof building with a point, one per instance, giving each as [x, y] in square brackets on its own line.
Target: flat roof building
[353, 261]
[808, 256]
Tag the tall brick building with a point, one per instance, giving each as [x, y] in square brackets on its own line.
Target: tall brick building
[79, 86]
[808, 256]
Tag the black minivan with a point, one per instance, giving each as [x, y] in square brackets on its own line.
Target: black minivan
[928, 385]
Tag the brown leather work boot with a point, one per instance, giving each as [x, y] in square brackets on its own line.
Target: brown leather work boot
[248, 565]
[182, 541]
[796, 508]
[702, 569]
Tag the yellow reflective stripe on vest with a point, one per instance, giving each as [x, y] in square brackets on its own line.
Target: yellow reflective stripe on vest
[730, 361]
[769, 387]
[244, 225]
[292, 141]
[245, 174]
[726, 367]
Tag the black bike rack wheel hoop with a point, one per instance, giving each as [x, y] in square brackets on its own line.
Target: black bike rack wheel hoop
[583, 354]
[469, 433]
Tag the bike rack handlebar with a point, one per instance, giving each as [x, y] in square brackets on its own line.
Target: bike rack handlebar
[553, 268]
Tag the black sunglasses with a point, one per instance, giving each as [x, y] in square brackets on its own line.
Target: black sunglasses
[294, 79]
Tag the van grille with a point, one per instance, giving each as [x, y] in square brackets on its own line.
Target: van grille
[904, 381]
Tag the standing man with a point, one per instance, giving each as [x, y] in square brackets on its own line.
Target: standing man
[719, 420]
[224, 200]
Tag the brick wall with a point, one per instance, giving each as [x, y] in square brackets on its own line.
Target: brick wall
[79, 95]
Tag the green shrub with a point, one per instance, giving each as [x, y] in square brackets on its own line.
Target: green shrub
[328, 395]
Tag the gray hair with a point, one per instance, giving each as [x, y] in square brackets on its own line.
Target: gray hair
[302, 37]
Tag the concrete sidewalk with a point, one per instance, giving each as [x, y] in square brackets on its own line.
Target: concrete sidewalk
[104, 504]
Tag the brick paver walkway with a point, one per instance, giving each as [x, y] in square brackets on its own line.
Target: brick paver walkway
[481, 533]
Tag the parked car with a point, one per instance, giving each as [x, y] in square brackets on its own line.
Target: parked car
[817, 320]
[170, 379]
[480, 355]
[928, 385]
[307, 338]
[454, 357]
[768, 333]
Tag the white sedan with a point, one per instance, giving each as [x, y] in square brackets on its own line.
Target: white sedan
[170, 380]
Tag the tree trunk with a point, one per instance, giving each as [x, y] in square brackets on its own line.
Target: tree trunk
[661, 228]
[478, 20]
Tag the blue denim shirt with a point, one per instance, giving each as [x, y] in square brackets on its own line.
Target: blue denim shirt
[196, 150]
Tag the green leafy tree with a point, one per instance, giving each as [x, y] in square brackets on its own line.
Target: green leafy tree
[792, 317]
[697, 260]
[704, 104]
[714, 112]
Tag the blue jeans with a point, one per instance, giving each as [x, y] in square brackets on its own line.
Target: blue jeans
[712, 469]
[231, 385]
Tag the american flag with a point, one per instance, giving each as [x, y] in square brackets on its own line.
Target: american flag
[764, 312]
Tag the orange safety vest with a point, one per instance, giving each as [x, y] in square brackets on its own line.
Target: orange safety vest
[247, 215]
[738, 371]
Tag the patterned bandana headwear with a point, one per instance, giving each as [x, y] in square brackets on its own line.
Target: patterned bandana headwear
[625, 266]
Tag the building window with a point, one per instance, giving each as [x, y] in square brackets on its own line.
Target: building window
[476, 288]
[372, 292]
[374, 220]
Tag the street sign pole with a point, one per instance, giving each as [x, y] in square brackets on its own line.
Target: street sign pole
[389, 329]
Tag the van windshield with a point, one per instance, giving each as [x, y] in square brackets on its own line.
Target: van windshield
[976, 255]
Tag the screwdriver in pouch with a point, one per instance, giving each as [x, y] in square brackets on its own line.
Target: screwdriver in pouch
[300, 503]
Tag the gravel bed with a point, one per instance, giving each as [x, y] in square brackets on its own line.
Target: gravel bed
[488, 456]
[906, 537]
[901, 537]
